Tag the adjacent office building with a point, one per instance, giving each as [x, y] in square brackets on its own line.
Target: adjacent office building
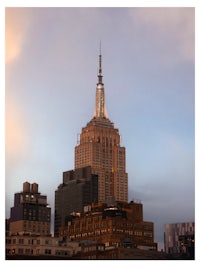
[31, 213]
[79, 189]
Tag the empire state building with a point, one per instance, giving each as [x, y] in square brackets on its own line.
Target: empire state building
[99, 147]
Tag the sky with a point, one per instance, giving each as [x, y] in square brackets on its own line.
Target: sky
[148, 62]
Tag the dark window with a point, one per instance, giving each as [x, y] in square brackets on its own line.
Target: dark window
[47, 251]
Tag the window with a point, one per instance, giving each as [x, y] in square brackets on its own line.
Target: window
[85, 249]
[137, 233]
[20, 251]
[62, 252]
[21, 241]
[48, 242]
[47, 251]
[8, 241]
[8, 251]
[147, 227]
[148, 234]
[101, 248]
[28, 251]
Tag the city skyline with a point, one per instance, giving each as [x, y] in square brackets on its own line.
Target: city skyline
[148, 68]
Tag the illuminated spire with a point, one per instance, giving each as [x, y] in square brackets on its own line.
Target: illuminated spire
[100, 76]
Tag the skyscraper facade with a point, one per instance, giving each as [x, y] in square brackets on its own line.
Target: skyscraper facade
[99, 147]
[78, 189]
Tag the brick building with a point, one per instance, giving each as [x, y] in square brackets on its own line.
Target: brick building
[121, 225]
[31, 213]
[32, 247]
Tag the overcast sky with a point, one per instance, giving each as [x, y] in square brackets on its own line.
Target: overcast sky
[148, 73]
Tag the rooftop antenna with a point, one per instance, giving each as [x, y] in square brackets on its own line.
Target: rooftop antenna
[100, 68]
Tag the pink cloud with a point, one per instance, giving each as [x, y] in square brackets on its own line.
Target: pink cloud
[16, 27]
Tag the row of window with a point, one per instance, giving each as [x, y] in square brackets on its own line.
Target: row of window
[97, 222]
[104, 231]
[145, 227]
[37, 230]
[90, 248]
[62, 252]
[103, 140]
[39, 223]
[25, 241]
[28, 251]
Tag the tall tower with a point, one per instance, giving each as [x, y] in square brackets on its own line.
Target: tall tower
[99, 147]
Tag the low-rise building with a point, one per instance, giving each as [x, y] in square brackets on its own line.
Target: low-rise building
[118, 226]
[39, 246]
[30, 247]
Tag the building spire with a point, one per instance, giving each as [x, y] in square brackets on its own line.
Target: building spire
[100, 111]
[100, 76]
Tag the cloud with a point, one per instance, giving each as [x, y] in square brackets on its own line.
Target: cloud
[17, 137]
[16, 27]
[171, 29]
